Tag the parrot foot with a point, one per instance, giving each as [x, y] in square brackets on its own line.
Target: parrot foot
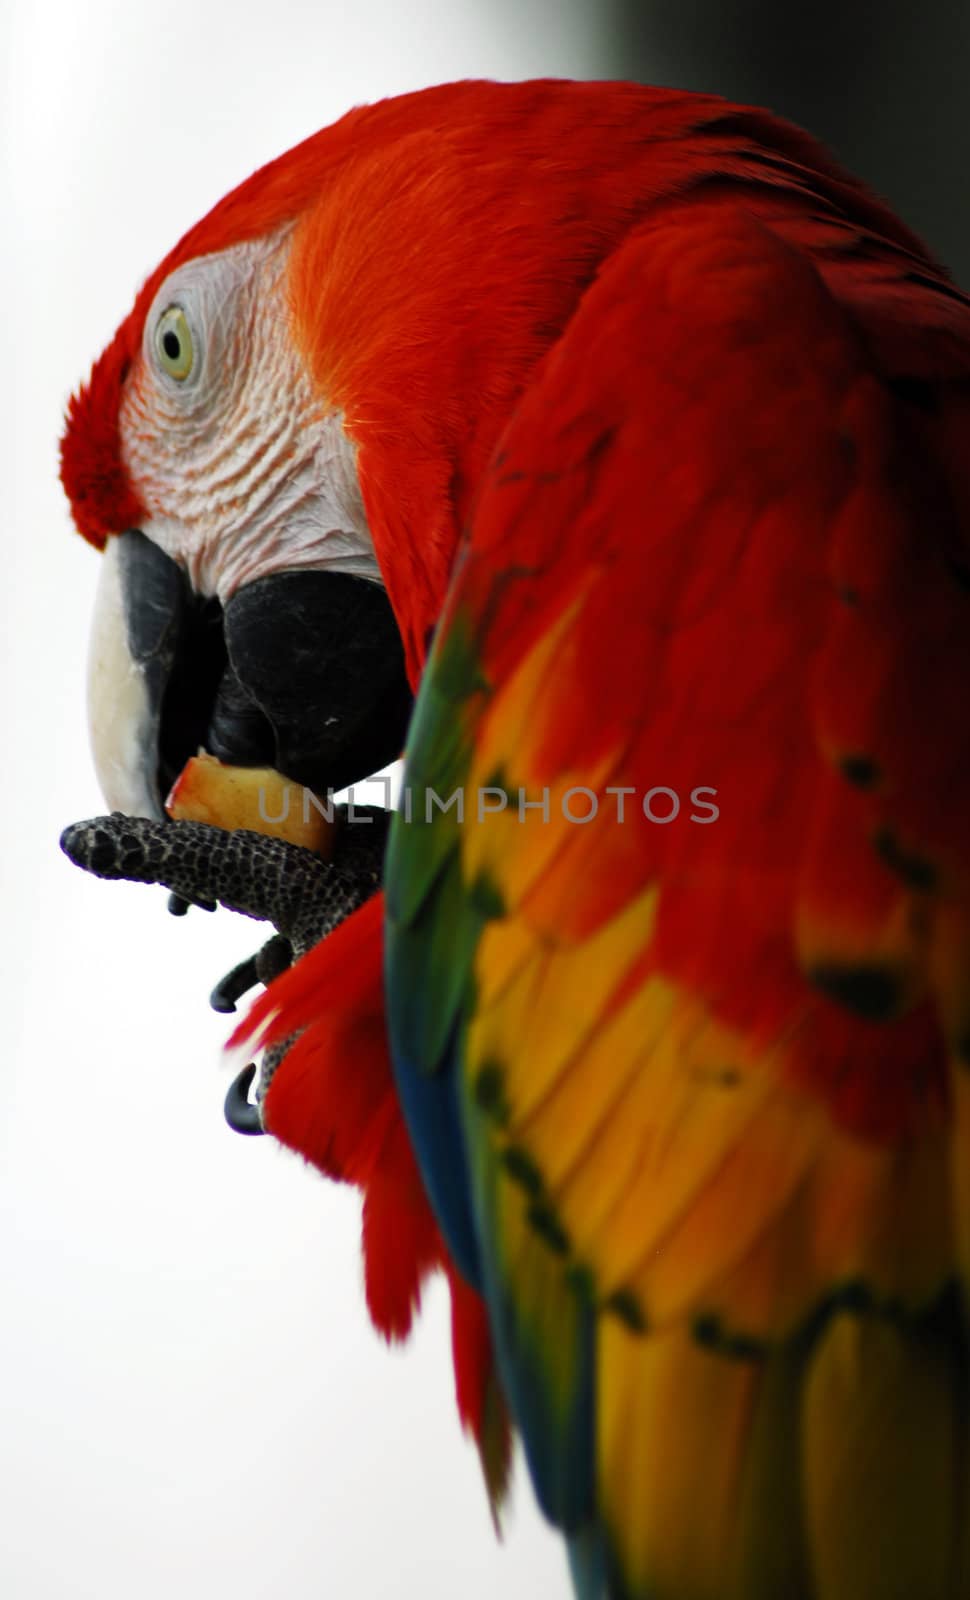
[271, 880]
[301, 894]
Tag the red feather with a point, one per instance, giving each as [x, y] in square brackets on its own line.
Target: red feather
[333, 1101]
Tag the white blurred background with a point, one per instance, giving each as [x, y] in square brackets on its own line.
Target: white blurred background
[191, 1398]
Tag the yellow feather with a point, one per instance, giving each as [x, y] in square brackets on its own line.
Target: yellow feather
[865, 1214]
[881, 1464]
[538, 1023]
[510, 722]
[671, 1426]
[546, 1305]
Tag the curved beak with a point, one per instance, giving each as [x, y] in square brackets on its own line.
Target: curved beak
[139, 611]
[302, 671]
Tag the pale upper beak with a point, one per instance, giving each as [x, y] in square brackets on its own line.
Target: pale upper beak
[134, 637]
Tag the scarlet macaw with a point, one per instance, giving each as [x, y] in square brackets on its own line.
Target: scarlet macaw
[653, 426]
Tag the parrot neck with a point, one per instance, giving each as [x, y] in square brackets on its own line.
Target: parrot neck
[434, 272]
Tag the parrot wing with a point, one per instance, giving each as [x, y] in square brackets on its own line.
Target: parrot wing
[685, 1066]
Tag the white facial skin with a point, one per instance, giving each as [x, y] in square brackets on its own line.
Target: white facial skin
[242, 467]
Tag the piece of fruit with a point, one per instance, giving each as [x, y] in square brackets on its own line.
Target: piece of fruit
[258, 798]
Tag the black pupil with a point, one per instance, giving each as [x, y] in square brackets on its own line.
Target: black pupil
[172, 345]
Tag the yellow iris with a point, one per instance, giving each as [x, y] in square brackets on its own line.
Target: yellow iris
[173, 343]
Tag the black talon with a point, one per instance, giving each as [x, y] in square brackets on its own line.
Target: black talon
[273, 958]
[241, 1115]
[179, 904]
[234, 985]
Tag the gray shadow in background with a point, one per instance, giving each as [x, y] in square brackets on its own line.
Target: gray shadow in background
[884, 83]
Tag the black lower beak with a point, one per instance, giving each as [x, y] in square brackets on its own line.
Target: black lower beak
[302, 671]
[319, 655]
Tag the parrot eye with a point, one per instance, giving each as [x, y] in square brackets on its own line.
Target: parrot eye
[173, 343]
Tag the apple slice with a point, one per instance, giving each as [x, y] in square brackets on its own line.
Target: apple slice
[258, 798]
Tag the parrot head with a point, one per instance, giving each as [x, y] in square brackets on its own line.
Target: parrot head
[279, 449]
[239, 604]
